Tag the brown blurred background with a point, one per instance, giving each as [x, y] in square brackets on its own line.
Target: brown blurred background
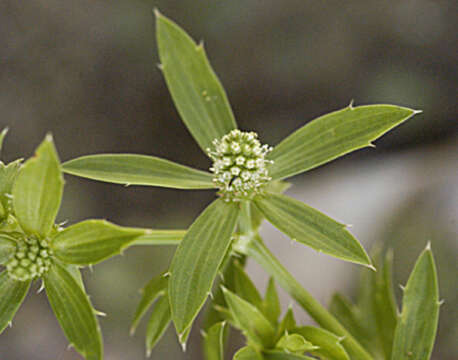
[86, 71]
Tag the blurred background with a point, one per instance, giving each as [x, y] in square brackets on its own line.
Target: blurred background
[86, 71]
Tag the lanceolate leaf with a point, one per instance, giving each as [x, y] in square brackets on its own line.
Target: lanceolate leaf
[74, 312]
[328, 344]
[250, 320]
[7, 248]
[245, 288]
[347, 314]
[159, 322]
[197, 260]
[271, 302]
[37, 191]
[8, 175]
[131, 169]
[416, 328]
[92, 241]
[214, 342]
[12, 293]
[310, 227]
[156, 287]
[333, 135]
[195, 89]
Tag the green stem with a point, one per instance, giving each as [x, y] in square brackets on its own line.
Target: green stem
[160, 237]
[318, 312]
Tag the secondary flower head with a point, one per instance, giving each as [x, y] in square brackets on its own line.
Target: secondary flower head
[239, 165]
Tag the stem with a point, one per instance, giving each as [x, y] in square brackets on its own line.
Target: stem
[160, 237]
[318, 312]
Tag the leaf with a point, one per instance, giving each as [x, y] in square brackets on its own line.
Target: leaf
[247, 353]
[245, 288]
[12, 293]
[131, 169]
[196, 91]
[328, 344]
[8, 175]
[271, 302]
[417, 325]
[160, 237]
[385, 310]
[197, 260]
[295, 343]
[37, 191]
[214, 342]
[346, 313]
[2, 137]
[156, 287]
[7, 248]
[280, 355]
[159, 322]
[74, 312]
[92, 241]
[250, 320]
[287, 324]
[310, 227]
[333, 135]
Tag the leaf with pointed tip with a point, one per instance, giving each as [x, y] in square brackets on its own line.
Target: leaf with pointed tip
[92, 241]
[37, 191]
[287, 324]
[12, 293]
[271, 303]
[251, 321]
[196, 91]
[417, 325]
[280, 355]
[245, 288]
[346, 313]
[197, 260]
[74, 312]
[8, 175]
[156, 287]
[333, 135]
[7, 248]
[247, 353]
[132, 169]
[328, 344]
[214, 342]
[295, 343]
[384, 304]
[310, 227]
[160, 237]
[159, 322]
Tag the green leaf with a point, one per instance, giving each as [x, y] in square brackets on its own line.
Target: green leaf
[310, 227]
[417, 325]
[214, 342]
[280, 355]
[287, 324]
[7, 248]
[2, 137]
[295, 343]
[333, 135]
[271, 302]
[250, 320]
[37, 191]
[328, 344]
[8, 175]
[197, 260]
[156, 287]
[12, 293]
[159, 322]
[385, 310]
[347, 315]
[160, 237]
[131, 169]
[247, 353]
[196, 91]
[245, 288]
[92, 241]
[74, 312]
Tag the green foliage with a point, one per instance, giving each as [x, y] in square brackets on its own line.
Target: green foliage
[248, 179]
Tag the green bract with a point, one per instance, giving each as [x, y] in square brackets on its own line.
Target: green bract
[242, 169]
[33, 247]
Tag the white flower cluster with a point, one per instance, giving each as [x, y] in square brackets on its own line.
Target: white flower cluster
[31, 260]
[239, 165]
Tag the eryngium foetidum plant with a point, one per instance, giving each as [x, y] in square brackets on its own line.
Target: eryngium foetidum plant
[248, 177]
[33, 247]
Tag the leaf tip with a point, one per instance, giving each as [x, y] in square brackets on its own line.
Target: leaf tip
[350, 106]
[415, 112]
[157, 13]
[428, 246]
